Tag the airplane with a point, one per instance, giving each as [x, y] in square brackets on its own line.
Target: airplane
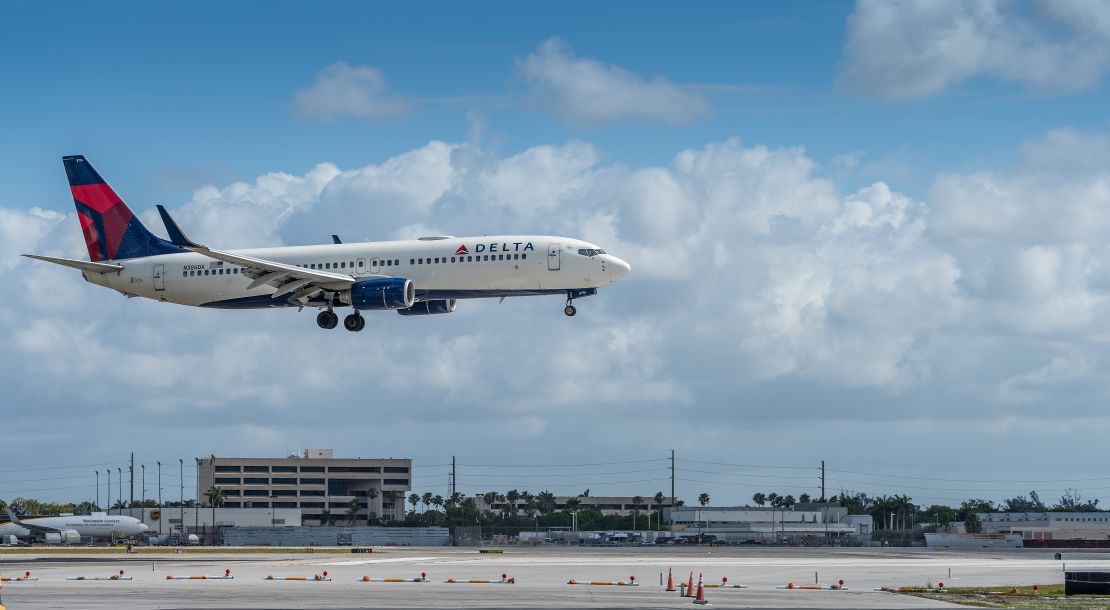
[69, 530]
[424, 276]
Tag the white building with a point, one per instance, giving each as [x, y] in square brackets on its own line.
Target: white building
[768, 524]
[169, 520]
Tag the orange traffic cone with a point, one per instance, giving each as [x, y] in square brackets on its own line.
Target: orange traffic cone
[670, 580]
[700, 599]
[690, 586]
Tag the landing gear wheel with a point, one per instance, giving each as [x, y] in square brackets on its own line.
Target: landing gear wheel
[570, 310]
[327, 319]
[354, 322]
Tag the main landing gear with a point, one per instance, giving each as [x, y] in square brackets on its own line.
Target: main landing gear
[327, 319]
[354, 322]
[569, 309]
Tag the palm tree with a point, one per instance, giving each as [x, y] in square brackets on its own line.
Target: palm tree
[437, 501]
[456, 499]
[773, 498]
[414, 500]
[636, 502]
[371, 493]
[489, 498]
[546, 502]
[215, 497]
[352, 510]
[512, 496]
[703, 499]
[788, 501]
[759, 498]
[584, 494]
[804, 498]
[426, 500]
[573, 502]
[325, 516]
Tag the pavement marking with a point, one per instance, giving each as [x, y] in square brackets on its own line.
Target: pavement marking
[362, 562]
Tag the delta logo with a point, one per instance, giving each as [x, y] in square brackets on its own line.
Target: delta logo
[516, 246]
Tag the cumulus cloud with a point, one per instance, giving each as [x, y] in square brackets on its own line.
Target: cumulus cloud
[585, 91]
[760, 292]
[343, 90]
[914, 49]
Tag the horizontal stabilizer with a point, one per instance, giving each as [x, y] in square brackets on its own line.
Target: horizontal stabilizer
[82, 265]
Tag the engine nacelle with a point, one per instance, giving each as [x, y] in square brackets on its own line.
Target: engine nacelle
[425, 308]
[382, 293]
[63, 537]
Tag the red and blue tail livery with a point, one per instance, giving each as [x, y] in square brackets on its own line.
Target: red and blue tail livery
[111, 229]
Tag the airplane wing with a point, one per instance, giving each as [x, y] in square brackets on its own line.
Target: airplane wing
[42, 529]
[76, 264]
[300, 283]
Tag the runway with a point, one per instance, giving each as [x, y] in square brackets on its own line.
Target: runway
[540, 577]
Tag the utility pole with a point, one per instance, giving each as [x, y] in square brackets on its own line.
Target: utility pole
[98, 489]
[181, 482]
[108, 489]
[160, 519]
[672, 480]
[454, 477]
[132, 505]
[143, 501]
[823, 496]
[119, 472]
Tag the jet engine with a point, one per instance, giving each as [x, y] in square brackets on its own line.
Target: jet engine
[382, 293]
[425, 308]
[63, 537]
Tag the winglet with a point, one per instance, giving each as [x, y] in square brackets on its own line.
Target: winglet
[335, 238]
[176, 235]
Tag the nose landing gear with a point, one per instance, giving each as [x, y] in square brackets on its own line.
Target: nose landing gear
[354, 322]
[327, 319]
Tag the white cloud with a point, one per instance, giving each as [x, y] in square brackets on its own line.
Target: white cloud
[587, 92]
[914, 49]
[343, 90]
[760, 293]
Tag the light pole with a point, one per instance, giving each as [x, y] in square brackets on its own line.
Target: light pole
[142, 467]
[159, 498]
[98, 489]
[119, 471]
[108, 494]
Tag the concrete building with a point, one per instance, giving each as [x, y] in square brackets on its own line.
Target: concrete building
[1048, 525]
[758, 524]
[314, 483]
[608, 505]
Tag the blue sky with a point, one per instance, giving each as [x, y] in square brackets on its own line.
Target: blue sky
[868, 233]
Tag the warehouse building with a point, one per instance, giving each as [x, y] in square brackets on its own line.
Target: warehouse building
[759, 524]
[608, 505]
[1048, 525]
[319, 484]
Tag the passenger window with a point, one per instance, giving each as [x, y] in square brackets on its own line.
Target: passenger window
[525, 255]
[470, 259]
[412, 261]
[184, 274]
[419, 261]
[343, 265]
[205, 272]
[452, 259]
[437, 260]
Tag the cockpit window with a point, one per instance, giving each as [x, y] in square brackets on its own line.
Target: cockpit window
[590, 251]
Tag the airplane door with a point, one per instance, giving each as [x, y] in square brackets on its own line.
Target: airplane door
[375, 265]
[554, 252]
[360, 266]
[159, 277]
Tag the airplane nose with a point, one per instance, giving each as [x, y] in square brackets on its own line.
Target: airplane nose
[618, 269]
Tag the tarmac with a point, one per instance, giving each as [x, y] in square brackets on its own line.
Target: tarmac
[539, 576]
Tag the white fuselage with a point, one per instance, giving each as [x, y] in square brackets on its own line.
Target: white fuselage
[98, 525]
[440, 268]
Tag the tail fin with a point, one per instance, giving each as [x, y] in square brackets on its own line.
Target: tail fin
[111, 229]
